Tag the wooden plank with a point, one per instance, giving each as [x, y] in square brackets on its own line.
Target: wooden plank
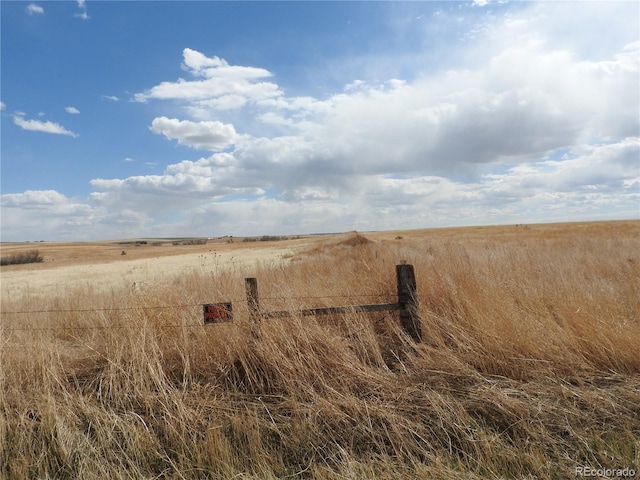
[378, 307]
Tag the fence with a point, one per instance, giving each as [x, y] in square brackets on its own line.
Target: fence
[407, 305]
[214, 313]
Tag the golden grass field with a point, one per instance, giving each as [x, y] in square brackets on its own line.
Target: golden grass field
[529, 366]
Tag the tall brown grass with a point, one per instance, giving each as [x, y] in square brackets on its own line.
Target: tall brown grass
[529, 367]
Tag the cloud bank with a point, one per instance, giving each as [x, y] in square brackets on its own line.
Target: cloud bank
[532, 129]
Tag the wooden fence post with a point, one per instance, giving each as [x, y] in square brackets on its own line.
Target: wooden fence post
[408, 299]
[251, 287]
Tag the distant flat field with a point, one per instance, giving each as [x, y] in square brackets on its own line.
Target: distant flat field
[123, 263]
[107, 265]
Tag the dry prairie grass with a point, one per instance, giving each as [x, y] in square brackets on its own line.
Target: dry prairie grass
[528, 369]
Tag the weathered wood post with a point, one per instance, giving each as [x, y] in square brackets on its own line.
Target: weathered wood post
[408, 300]
[251, 287]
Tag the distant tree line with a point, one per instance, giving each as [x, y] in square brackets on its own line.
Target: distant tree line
[32, 256]
[191, 241]
[267, 238]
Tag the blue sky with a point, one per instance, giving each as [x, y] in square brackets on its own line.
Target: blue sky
[142, 119]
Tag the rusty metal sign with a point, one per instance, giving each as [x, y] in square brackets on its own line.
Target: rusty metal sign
[217, 313]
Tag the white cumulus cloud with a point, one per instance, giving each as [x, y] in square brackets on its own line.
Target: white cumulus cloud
[33, 9]
[218, 85]
[478, 143]
[41, 126]
[199, 135]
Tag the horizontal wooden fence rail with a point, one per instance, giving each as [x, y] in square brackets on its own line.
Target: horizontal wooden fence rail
[407, 304]
[379, 307]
